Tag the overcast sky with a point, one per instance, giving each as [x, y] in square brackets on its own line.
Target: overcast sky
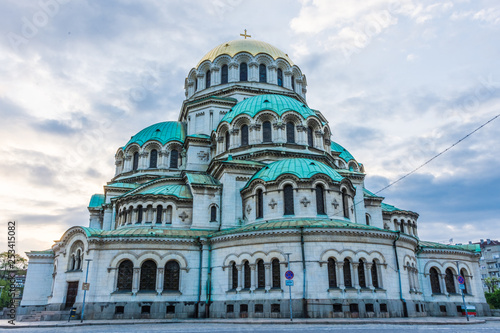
[398, 81]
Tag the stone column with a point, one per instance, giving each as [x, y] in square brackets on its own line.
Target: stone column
[240, 277]
[201, 82]
[355, 275]
[235, 140]
[368, 275]
[287, 79]
[233, 72]
[442, 284]
[153, 220]
[340, 274]
[455, 281]
[253, 71]
[267, 267]
[253, 277]
[215, 76]
[272, 74]
[136, 280]
[127, 164]
[159, 280]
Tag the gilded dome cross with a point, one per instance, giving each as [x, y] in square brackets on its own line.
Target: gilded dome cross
[245, 34]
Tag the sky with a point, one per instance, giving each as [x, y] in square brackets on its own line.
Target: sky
[399, 82]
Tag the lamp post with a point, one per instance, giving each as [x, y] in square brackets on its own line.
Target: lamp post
[85, 290]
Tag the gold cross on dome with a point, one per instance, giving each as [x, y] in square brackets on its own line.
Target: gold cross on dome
[245, 34]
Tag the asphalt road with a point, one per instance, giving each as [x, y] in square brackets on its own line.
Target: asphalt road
[296, 328]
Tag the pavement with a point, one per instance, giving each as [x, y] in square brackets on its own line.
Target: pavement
[267, 321]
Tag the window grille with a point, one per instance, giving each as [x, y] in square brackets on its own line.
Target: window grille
[139, 214]
[347, 274]
[320, 200]
[345, 203]
[332, 273]
[171, 279]
[361, 274]
[261, 274]
[159, 213]
[135, 164]
[260, 204]
[449, 281]
[234, 273]
[243, 72]
[244, 135]
[153, 159]
[374, 275]
[227, 140]
[276, 273]
[434, 276]
[262, 73]
[288, 199]
[125, 275]
[148, 276]
[213, 214]
[267, 132]
[247, 275]
[208, 79]
[290, 132]
[174, 159]
[224, 74]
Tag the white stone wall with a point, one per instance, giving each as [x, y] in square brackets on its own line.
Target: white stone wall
[38, 283]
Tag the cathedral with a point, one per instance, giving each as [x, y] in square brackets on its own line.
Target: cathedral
[204, 216]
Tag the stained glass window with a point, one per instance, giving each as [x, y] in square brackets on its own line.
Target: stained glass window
[267, 135]
[244, 135]
[280, 77]
[153, 158]
[320, 200]
[208, 79]
[260, 204]
[125, 275]
[361, 274]
[290, 132]
[247, 275]
[449, 281]
[159, 212]
[262, 73]
[276, 272]
[288, 199]
[135, 163]
[213, 214]
[243, 72]
[234, 273]
[171, 279]
[224, 74]
[374, 275]
[261, 274]
[310, 140]
[347, 273]
[332, 274]
[148, 276]
[174, 158]
[434, 276]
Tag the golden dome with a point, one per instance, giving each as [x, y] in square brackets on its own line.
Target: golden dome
[251, 46]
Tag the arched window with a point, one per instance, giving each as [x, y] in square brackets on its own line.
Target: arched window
[125, 275]
[72, 263]
[208, 79]
[402, 226]
[374, 275]
[290, 132]
[293, 83]
[224, 74]
[169, 215]
[361, 274]
[367, 217]
[345, 203]
[78, 260]
[153, 159]
[280, 77]
[139, 214]
[148, 276]
[234, 275]
[320, 200]
[347, 273]
[174, 159]
[159, 213]
[310, 140]
[288, 199]
[260, 204]
[196, 84]
[276, 272]
[243, 72]
[171, 278]
[246, 275]
[135, 162]
[464, 275]
[213, 214]
[434, 276]
[267, 135]
[332, 273]
[227, 140]
[244, 135]
[262, 73]
[449, 281]
[261, 274]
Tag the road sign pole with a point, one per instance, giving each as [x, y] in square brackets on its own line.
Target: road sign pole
[289, 287]
[463, 294]
[85, 291]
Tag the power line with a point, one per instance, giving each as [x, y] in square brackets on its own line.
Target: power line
[437, 155]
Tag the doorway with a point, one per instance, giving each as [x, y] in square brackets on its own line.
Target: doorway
[71, 294]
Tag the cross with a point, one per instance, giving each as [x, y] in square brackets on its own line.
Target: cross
[305, 202]
[245, 34]
[183, 216]
[335, 203]
[272, 203]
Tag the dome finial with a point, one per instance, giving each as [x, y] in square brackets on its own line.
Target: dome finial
[245, 34]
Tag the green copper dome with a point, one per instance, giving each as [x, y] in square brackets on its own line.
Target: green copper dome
[303, 168]
[344, 154]
[277, 103]
[162, 132]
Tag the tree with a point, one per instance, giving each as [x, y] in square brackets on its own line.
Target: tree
[20, 263]
[493, 299]
[5, 295]
[492, 283]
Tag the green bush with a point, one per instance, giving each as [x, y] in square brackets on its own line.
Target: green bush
[493, 299]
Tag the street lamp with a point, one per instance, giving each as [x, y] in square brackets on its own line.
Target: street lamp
[85, 289]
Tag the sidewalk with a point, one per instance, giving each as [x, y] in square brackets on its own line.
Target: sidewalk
[281, 321]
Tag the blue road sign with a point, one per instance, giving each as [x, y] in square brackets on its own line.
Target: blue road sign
[289, 275]
[289, 282]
